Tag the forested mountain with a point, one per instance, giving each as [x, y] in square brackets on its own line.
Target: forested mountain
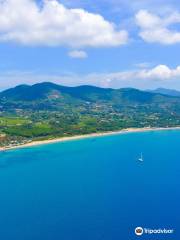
[48, 110]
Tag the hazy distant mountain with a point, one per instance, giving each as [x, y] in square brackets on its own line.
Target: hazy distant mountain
[165, 91]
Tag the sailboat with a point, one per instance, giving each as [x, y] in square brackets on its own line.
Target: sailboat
[141, 158]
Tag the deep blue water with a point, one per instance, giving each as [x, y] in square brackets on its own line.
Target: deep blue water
[92, 189]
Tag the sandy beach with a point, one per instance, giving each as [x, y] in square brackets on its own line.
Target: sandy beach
[77, 137]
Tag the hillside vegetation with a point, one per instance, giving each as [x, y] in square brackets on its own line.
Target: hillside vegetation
[47, 110]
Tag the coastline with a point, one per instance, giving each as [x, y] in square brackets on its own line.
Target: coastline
[78, 137]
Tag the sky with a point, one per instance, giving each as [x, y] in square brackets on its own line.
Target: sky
[106, 43]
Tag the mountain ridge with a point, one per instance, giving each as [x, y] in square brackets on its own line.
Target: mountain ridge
[165, 91]
[47, 110]
[41, 91]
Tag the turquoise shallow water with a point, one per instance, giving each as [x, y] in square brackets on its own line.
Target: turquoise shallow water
[92, 189]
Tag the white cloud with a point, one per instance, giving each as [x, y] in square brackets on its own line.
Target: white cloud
[77, 54]
[154, 28]
[160, 72]
[159, 76]
[52, 24]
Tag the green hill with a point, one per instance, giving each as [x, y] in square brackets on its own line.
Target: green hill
[51, 91]
[48, 110]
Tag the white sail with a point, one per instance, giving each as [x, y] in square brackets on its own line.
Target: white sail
[141, 158]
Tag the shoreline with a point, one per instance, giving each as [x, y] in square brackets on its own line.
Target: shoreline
[78, 137]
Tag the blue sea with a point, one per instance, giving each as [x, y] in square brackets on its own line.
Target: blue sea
[92, 189]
